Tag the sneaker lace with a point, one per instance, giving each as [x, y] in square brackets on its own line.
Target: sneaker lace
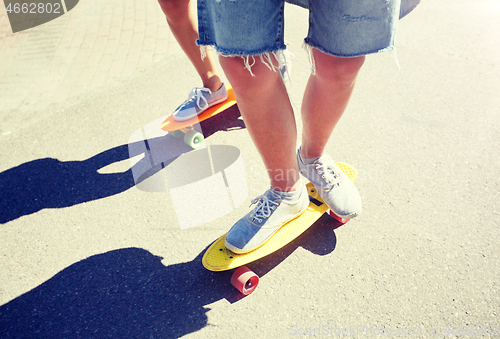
[197, 94]
[264, 209]
[328, 174]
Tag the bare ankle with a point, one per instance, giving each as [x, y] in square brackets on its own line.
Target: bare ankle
[213, 83]
[309, 153]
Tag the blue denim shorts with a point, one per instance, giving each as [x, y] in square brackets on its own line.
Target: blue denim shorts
[344, 28]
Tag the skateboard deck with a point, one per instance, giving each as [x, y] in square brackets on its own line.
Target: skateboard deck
[219, 258]
[185, 128]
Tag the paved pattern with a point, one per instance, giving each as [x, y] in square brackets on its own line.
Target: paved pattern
[94, 44]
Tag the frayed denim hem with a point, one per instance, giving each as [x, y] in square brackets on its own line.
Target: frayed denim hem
[249, 57]
[308, 46]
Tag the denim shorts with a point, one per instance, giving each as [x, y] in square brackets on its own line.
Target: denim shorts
[344, 28]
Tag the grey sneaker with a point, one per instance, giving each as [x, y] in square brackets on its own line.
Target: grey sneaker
[198, 101]
[334, 186]
[270, 214]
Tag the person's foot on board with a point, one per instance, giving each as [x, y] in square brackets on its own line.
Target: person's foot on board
[333, 185]
[274, 209]
[198, 101]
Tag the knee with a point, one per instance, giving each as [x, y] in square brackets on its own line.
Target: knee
[334, 68]
[234, 68]
[174, 9]
[248, 74]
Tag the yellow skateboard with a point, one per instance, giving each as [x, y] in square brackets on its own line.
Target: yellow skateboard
[219, 258]
[186, 129]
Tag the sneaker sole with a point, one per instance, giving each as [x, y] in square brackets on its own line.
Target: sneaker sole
[347, 217]
[240, 251]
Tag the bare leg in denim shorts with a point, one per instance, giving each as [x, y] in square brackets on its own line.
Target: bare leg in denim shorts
[248, 37]
[181, 18]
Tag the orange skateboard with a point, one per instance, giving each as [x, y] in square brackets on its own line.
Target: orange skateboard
[186, 129]
[219, 258]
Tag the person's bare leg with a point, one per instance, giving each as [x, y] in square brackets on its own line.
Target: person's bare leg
[268, 115]
[325, 99]
[182, 20]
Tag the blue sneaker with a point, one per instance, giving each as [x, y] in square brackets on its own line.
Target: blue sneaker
[334, 186]
[274, 209]
[198, 101]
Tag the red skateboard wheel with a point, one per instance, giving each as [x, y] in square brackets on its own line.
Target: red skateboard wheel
[339, 219]
[244, 280]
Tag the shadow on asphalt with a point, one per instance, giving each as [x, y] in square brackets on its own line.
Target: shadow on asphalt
[50, 183]
[129, 293]
[125, 293]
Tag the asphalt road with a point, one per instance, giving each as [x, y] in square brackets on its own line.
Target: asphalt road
[85, 252]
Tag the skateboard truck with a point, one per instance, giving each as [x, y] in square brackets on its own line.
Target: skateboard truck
[192, 137]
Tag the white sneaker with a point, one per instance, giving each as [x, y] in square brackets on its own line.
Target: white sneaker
[334, 186]
[198, 101]
[274, 209]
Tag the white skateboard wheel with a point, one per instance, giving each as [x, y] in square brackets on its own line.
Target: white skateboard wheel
[194, 139]
[244, 280]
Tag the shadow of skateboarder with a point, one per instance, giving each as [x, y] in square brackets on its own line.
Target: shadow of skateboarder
[129, 293]
[51, 183]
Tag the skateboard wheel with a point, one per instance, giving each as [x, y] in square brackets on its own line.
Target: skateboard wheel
[244, 280]
[339, 219]
[177, 134]
[193, 139]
